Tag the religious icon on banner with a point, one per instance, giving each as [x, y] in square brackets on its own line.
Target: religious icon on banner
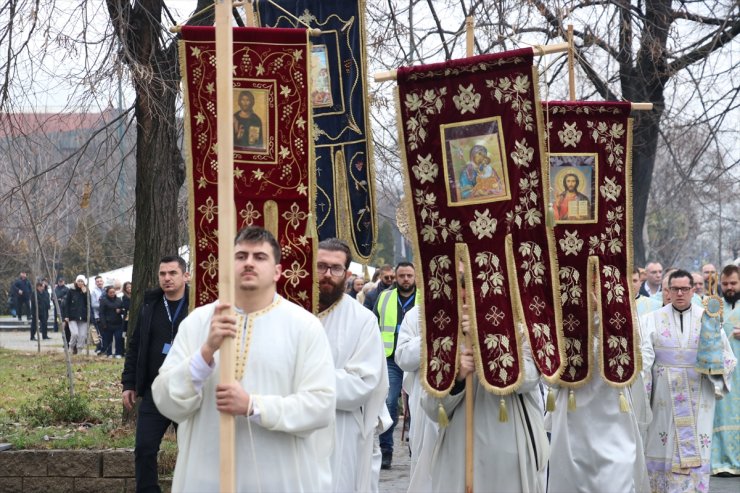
[572, 178]
[320, 78]
[474, 164]
[250, 115]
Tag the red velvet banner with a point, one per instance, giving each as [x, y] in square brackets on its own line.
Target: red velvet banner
[475, 172]
[590, 175]
[273, 153]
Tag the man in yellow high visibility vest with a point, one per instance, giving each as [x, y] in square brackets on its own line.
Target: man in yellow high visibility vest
[390, 309]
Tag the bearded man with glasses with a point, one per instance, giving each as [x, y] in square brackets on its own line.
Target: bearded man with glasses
[359, 368]
[678, 441]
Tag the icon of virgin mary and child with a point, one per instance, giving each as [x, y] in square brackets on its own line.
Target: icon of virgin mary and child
[478, 178]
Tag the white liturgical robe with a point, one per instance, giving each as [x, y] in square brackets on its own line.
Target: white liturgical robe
[423, 431]
[508, 456]
[678, 441]
[596, 447]
[362, 385]
[289, 375]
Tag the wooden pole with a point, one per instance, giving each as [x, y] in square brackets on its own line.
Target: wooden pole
[571, 65]
[539, 50]
[226, 226]
[249, 9]
[469, 391]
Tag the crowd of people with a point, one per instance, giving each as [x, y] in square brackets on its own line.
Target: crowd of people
[98, 315]
[316, 398]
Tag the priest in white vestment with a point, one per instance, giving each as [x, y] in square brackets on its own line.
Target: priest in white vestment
[508, 456]
[360, 369]
[423, 431]
[283, 395]
[726, 432]
[678, 442]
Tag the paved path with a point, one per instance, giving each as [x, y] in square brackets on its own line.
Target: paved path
[395, 480]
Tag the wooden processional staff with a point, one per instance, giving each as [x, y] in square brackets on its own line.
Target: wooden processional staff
[226, 226]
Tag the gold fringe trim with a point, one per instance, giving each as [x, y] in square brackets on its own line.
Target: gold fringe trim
[707, 371]
[193, 260]
[503, 416]
[442, 418]
[559, 338]
[365, 272]
[420, 279]
[623, 404]
[571, 400]
[550, 405]
[270, 212]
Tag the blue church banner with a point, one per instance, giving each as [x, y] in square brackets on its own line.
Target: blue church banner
[345, 203]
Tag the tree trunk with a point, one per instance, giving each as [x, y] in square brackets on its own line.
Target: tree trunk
[646, 82]
[160, 168]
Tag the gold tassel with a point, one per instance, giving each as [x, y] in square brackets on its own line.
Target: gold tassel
[365, 272]
[442, 418]
[550, 217]
[550, 405]
[503, 416]
[270, 211]
[571, 400]
[311, 226]
[623, 405]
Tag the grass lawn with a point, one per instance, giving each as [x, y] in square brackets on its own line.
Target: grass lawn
[36, 411]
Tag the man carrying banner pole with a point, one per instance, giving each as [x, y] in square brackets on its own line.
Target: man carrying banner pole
[282, 396]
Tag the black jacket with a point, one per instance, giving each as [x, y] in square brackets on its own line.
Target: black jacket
[111, 319]
[22, 285]
[134, 376]
[76, 306]
[61, 292]
[44, 302]
[372, 297]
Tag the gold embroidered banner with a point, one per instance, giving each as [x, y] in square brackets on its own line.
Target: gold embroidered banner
[273, 153]
[345, 182]
[590, 175]
[476, 175]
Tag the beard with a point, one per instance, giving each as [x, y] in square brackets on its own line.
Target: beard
[731, 298]
[330, 291]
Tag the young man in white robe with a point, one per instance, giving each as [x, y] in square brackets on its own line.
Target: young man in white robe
[678, 441]
[359, 366]
[508, 456]
[423, 431]
[283, 393]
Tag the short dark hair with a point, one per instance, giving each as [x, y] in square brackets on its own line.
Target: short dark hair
[680, 273]
[40, 283]
[175, 258]
[730, 269]
[98, 277]
[404, 264]
[385, 268]
[337, 245]
[578, 180]
[127, 283]
[255, 234]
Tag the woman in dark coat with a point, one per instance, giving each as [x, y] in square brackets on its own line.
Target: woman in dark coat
[111, 321]
[77, 314]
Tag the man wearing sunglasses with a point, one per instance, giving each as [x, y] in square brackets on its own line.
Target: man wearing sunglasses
[681, 399]
[385, 281]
